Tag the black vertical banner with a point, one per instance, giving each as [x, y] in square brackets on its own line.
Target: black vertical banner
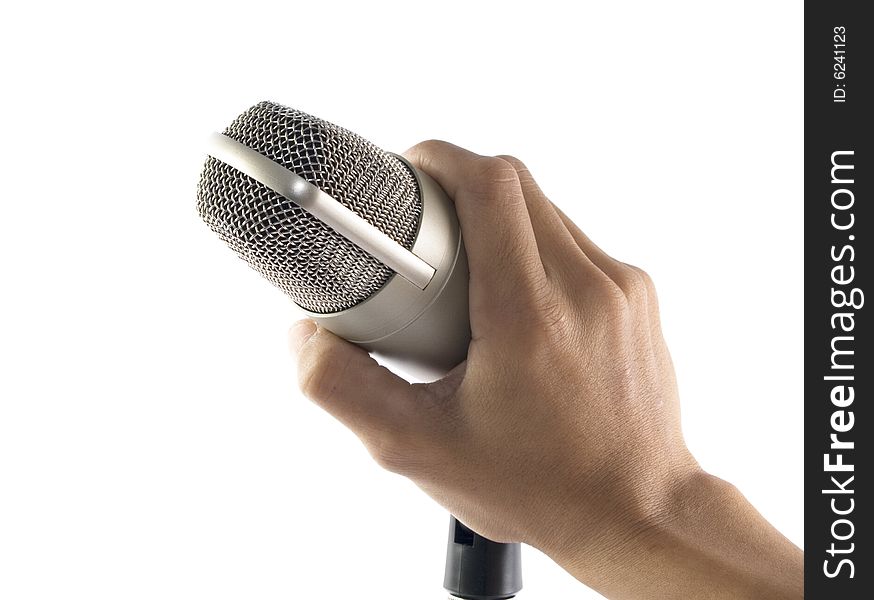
[838, 367]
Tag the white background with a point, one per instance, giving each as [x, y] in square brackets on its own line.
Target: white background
[152, 441]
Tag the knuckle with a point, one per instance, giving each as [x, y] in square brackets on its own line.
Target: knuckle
[428, 146]
[424, 153]
[613, 300]
[317, 376]
[516, 252]
[313, 381]
[492, 171]
[601, 299]
[391, 453]
[630, 282]
[552, 316]
[646, 280]
[517, 164]
[553, 326]
[638, 284]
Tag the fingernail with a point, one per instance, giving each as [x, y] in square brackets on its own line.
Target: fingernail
[299, 333]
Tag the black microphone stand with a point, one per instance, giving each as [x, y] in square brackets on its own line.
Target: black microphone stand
[478, 568]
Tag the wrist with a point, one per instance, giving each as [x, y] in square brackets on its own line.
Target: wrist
[696, 536]
[612, 516]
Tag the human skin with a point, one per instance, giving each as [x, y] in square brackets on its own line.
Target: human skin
[562, 428]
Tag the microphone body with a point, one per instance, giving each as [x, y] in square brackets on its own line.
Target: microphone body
[364, 243]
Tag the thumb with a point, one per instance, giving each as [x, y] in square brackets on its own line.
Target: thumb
[345, 381]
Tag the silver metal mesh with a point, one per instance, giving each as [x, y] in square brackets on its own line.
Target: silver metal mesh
[319, 269]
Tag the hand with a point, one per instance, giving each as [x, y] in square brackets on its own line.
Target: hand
[562, 428]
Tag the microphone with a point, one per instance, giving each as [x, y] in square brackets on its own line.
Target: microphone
[365, 244]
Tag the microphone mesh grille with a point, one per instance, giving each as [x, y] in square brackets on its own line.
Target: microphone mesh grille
[318, 268]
